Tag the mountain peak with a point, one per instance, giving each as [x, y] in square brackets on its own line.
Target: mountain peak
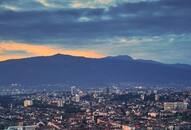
[120, 57]
[58, 54]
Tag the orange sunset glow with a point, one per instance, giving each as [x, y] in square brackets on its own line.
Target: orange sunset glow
[40, 50]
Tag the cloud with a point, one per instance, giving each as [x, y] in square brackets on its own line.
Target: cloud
[84, 19]
[45, 3]
[11, 7]
[127, 19]
[49, 4]
[159, 48]
[27, 50]
[113, 27]
[62, 4]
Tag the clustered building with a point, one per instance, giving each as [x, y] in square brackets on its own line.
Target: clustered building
[109, 108]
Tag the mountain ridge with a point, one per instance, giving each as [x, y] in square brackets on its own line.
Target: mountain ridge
[67, 69]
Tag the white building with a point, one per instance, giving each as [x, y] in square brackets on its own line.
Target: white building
[28, 103]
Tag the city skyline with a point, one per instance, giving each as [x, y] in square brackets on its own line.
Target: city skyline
[144, 29]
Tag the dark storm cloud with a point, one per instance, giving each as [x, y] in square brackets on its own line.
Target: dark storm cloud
[126, 19]
[140, 28]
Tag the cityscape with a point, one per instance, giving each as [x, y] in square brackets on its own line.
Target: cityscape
[106, 108]
[95, 64]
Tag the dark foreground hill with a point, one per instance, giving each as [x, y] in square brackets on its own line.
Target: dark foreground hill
[64, 69]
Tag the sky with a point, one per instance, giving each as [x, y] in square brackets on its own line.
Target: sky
[143, 29]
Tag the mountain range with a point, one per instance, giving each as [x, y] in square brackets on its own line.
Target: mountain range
[71, 70]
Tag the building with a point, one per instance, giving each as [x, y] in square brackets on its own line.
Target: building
[76, 98]
[28, 103]
[60, 103]
[168, 106]
[73, 90]
[126, 127]
[22, 128]
[152, 114]
[142, 97]
[157, 97]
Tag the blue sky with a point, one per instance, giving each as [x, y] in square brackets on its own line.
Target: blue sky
[147, 29]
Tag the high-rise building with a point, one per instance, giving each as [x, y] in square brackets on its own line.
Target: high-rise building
[142, 96]
[73, 90]
[156, 97]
